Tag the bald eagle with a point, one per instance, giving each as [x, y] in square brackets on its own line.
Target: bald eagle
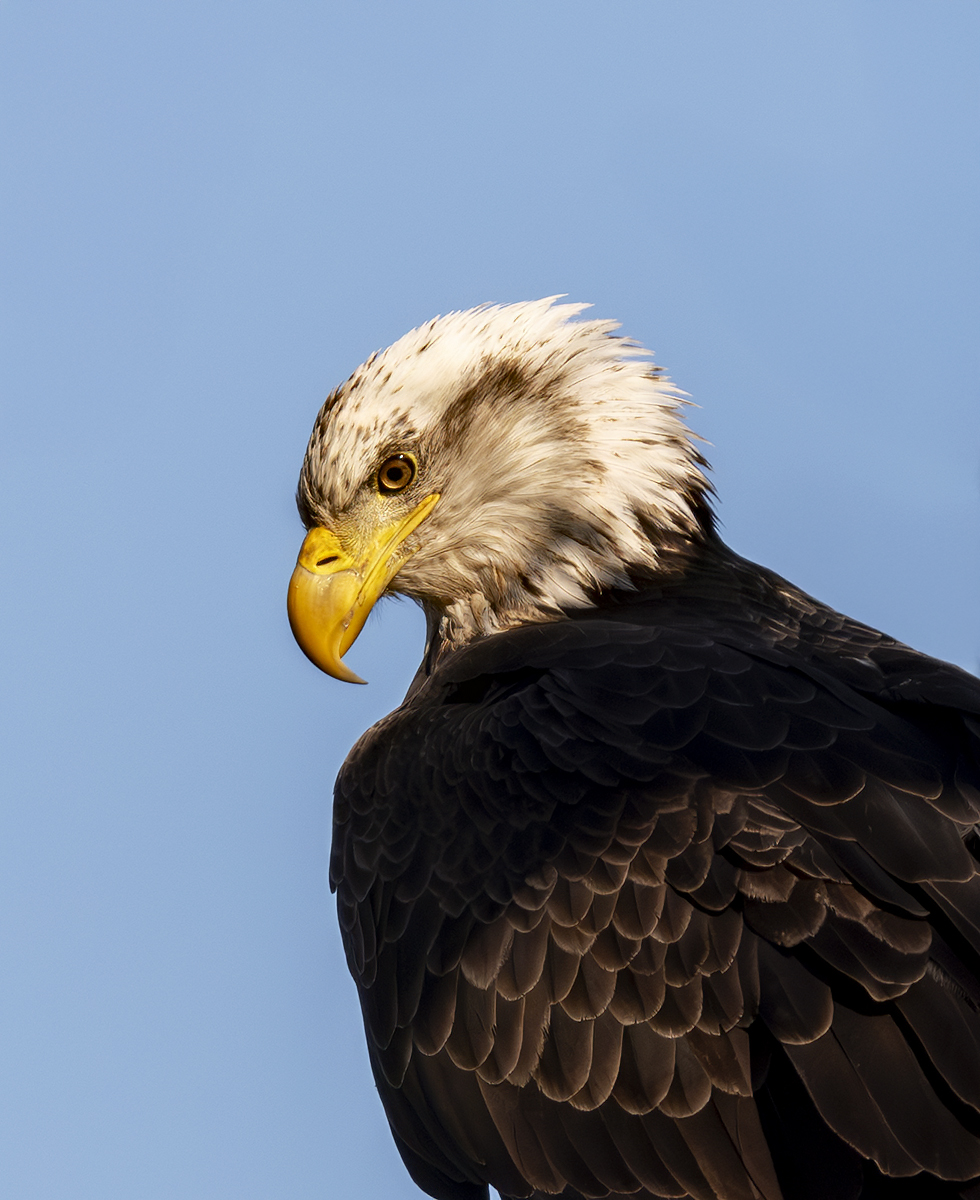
[663, 879]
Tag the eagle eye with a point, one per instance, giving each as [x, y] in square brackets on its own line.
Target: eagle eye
[396, 473]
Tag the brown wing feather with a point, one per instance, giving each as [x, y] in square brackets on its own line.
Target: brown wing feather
[685, 921]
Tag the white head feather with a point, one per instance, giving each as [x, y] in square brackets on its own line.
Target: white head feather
[562, 461]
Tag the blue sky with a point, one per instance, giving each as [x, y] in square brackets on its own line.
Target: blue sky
[212, 213]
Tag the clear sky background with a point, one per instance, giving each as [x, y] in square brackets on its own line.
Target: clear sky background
[212, 212]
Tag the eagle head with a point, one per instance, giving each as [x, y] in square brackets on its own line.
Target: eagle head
[501, 466]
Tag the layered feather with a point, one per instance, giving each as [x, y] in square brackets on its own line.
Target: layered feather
[645, 912]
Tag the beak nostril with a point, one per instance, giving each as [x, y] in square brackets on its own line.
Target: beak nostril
[325, 561]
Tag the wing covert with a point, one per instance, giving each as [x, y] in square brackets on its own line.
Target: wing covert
[611, 910]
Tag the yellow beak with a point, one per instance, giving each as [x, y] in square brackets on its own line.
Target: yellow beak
[333, 588]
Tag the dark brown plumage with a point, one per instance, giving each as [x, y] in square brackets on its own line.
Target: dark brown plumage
[679, 894]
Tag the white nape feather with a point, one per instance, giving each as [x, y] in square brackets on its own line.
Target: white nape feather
[563, 464]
